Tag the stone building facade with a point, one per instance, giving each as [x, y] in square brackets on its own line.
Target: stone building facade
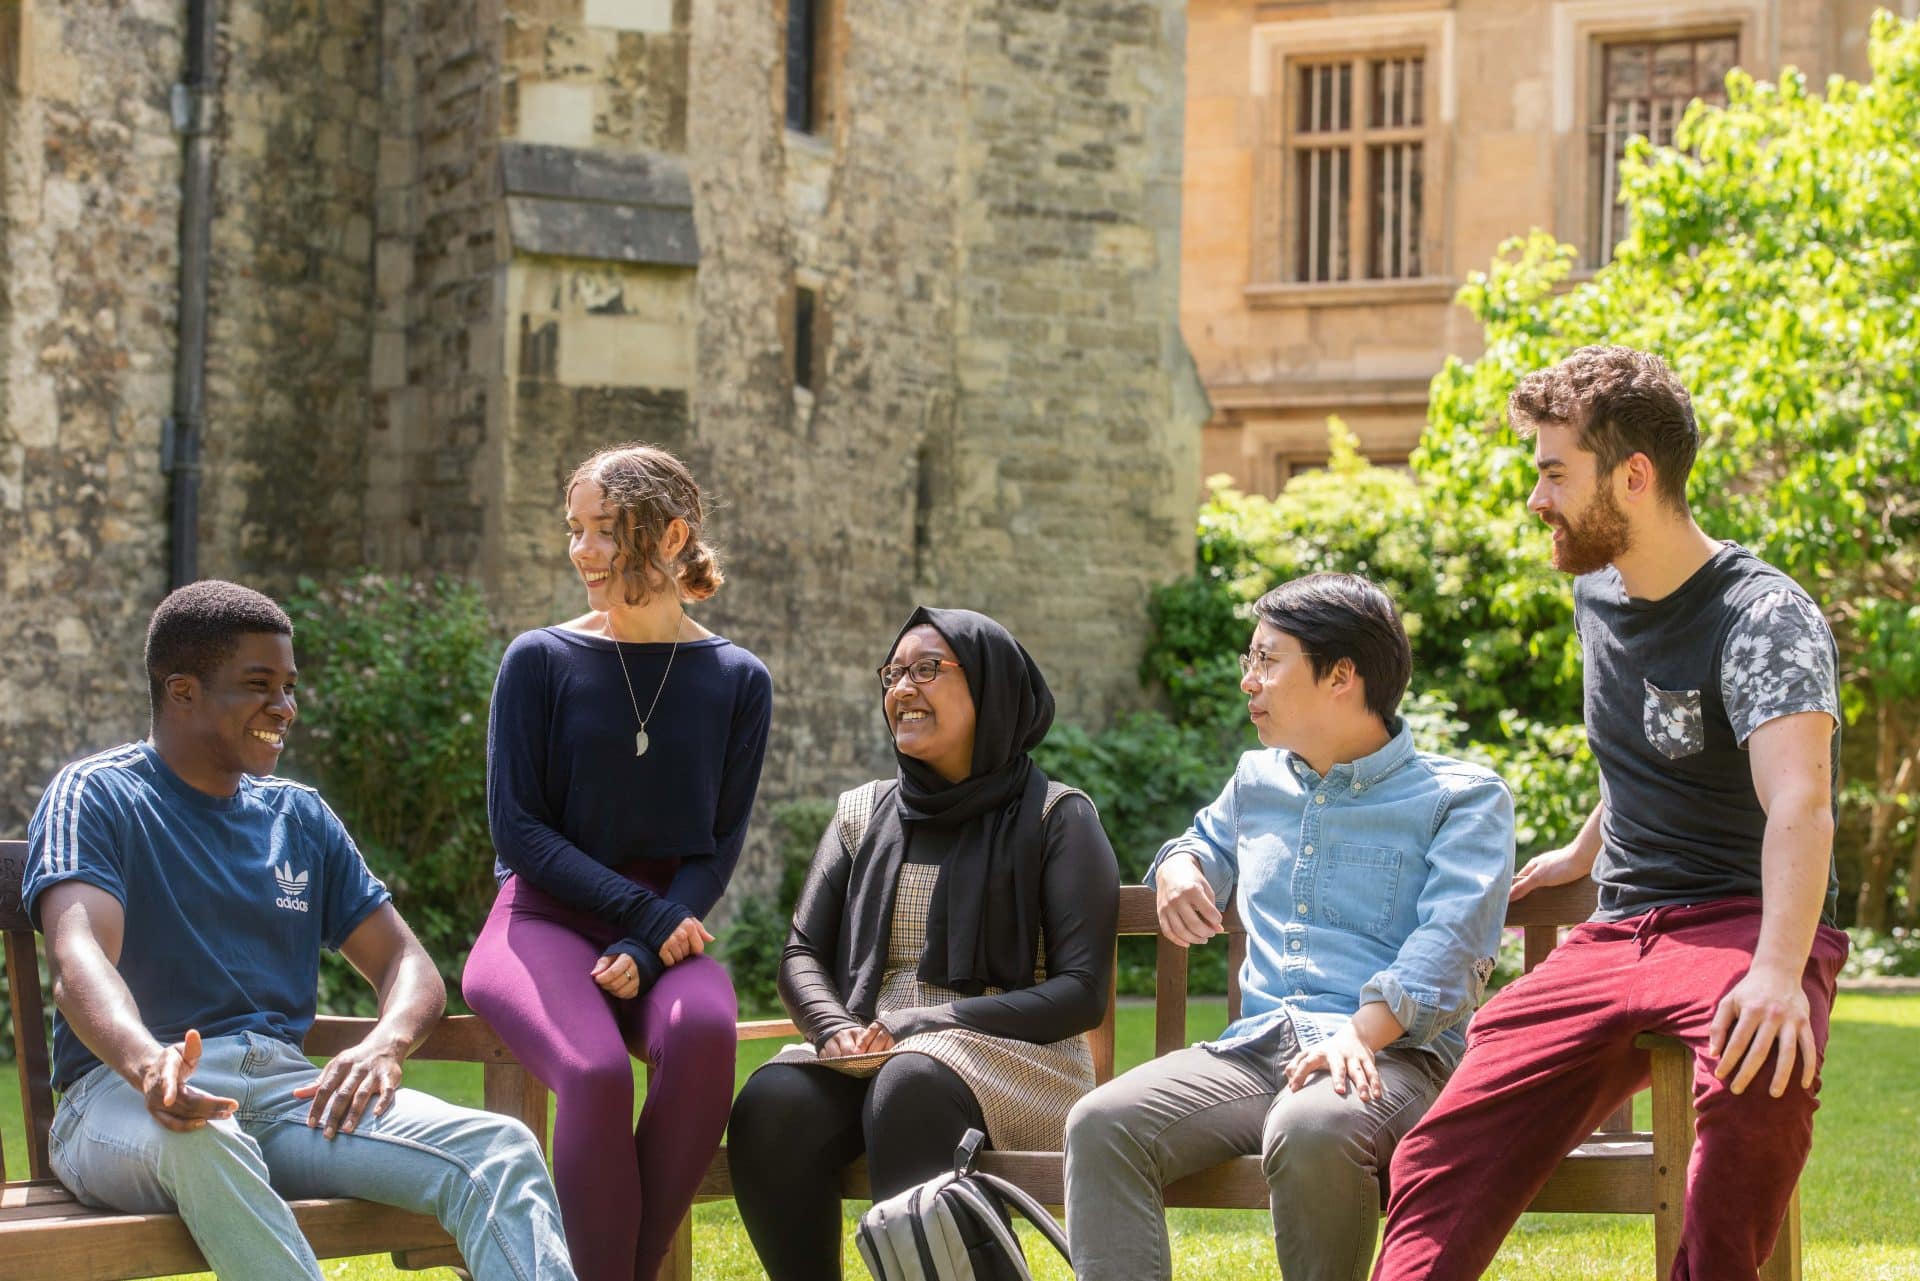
[920, 343]
[1347, 164]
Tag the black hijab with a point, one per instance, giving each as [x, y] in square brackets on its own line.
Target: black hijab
[983, 926]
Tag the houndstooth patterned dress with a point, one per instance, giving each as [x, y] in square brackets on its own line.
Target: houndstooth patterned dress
[1024, 1090]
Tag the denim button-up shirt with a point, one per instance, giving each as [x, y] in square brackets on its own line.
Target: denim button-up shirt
[1385, 881]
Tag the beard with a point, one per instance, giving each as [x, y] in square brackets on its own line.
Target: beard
[1596, 540]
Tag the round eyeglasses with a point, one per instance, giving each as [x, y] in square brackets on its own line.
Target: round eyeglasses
[1259, 663]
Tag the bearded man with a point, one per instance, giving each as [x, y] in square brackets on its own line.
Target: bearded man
[1712, 709]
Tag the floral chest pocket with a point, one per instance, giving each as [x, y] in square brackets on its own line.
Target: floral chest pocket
[1671, 719]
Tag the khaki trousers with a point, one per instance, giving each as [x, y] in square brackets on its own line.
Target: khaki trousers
[1323, 1154]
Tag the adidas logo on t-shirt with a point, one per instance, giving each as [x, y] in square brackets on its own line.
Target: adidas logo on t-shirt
[293, 887]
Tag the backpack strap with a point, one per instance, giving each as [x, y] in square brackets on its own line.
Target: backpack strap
[1057, 792]
[982, 1189]
[854, 811]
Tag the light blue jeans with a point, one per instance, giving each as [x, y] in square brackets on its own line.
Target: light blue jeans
[479, 1174]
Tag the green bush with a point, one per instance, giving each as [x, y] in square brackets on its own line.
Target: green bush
[1491, 623]
[396, 673]
[1495, 665]
[1894, 954]
[756, 934]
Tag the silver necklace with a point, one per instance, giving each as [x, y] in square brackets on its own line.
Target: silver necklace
[640, 736]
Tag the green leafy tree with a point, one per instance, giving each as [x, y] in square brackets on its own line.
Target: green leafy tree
[1772, 260]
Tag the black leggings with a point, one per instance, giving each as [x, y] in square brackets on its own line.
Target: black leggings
[795, 1128]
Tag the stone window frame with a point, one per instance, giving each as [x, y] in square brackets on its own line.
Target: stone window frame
[1279, 49]
[1289, 463]
[1580, 32]
[806, 383]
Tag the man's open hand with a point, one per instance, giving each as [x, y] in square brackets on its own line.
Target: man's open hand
[1344, 1056]
[1555, 867]
[170, 1100]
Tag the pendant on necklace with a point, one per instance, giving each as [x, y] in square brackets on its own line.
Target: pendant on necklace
[640, 743]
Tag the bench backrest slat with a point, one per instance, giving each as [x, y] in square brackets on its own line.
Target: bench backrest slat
[29, 1015]
[1539, 916]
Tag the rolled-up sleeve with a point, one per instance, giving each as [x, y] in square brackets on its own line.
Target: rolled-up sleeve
[1440, 972]
[1213, 842]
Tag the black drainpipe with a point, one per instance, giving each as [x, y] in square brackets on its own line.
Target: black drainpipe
[194, 102]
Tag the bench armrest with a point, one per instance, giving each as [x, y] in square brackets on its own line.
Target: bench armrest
[764, 1029]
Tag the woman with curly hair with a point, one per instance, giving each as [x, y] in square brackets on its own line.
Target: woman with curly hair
[623, 752]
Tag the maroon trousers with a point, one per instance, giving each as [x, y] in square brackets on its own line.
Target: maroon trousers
[1553, 1054]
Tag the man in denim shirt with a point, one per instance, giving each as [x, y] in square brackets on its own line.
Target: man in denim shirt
[1372, 879]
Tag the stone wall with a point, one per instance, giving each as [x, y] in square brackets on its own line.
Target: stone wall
[89, 189]
[461, 243]
[288, 412]
[1001, 414]
[821, 490]
[1074, 458]
[437, 364]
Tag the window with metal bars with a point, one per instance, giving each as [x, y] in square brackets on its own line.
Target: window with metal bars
[1645, 86]
[1356, 148]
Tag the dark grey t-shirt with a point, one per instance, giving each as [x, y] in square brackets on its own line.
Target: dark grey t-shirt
[1674, 688]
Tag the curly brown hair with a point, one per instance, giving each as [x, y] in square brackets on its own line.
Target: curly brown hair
[646, 490]
[1621, 402]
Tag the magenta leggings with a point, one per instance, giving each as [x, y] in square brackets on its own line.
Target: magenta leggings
[529, 977]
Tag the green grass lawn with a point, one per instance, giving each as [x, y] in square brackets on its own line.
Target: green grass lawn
[1860, 1193]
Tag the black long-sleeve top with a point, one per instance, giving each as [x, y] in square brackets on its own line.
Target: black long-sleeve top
[1080, 897]
[569, 803]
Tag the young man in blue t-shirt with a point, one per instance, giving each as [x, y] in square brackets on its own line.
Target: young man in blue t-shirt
[185, 894]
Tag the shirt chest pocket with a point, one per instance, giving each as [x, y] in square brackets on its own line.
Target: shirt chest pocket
[1357, 886]
[1672, 722]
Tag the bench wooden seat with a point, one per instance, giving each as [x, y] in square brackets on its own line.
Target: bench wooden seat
[1619, 1170]
[47, 1235]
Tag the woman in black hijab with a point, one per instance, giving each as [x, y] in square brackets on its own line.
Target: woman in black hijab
[951, 948]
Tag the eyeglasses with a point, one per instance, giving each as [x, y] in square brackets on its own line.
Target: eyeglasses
[1259, 663]
[919, 672]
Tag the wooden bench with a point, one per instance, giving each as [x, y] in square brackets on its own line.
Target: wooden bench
[1617, 1171]
[47, 1235]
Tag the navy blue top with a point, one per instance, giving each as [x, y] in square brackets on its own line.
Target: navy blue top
[228, 899]
[568, 801]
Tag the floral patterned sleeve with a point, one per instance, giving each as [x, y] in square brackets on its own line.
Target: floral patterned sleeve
[1779, 660]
